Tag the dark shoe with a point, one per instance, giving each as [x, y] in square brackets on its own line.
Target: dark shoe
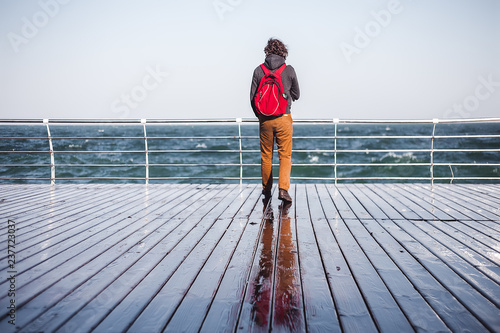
[284, 195]
[266, 194]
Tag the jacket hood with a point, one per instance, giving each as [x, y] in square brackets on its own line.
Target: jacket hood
[274, 61]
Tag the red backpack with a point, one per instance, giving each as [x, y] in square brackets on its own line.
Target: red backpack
[270, 99]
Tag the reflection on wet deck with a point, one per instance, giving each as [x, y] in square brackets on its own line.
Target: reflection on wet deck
[218, 258]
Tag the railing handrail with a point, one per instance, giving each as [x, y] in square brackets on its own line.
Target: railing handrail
[247, 120]
[241, 151]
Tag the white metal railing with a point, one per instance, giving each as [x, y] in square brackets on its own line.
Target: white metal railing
[430, 149]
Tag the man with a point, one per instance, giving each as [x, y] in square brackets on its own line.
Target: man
[276, 127]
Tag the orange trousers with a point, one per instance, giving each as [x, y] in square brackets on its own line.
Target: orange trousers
[280, 128]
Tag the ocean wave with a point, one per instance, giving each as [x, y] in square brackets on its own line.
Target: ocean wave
[392, 157]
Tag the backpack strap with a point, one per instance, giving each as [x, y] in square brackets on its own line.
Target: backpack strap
[280, 70]
[264, 68]
[277, 72]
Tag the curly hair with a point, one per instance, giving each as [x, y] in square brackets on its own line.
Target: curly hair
[275, 46]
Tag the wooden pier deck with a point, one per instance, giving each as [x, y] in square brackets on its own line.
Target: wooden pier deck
[216, 258]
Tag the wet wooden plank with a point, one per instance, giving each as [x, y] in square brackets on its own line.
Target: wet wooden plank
[255, 313]
[488, 228]
[15, 199]
[467, 272]
[87, 269]
[16, 195]
[36, 214]
[288, 310]
[53, 198]
[396, 207]
[53, 287]
[454, 209]
[480, 235]
[480, 193]
[385, 310]
[386, 204]
[424, 200]
[50, 254]
[371, 206]
[484, 205]
[452, 312]
[379, 300]
[33, 228]
[150, 296]
[38, 228]
[226, 304]
[488, 314]
[480, 207]
[167, 253]
[489, 189]
[474, 258]
[415, 205]
[468, 240]
[335, 206]
[355, 206]
[10, 193]
[351, 307]
[88, 219]
[191, 311]
[119, 279]
[421, 315]
[319, 307]
[97, 294]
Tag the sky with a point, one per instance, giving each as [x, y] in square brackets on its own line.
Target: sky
[165, 59]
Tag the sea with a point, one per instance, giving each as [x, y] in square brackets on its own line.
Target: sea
[209, 153]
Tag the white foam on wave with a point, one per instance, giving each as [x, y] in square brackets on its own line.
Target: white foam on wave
[406, 157]
[313, 159]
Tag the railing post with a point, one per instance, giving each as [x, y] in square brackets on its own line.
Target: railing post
[336, 122]
[239, 120]
[52, 160]
[435, 121]
[143, 122]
